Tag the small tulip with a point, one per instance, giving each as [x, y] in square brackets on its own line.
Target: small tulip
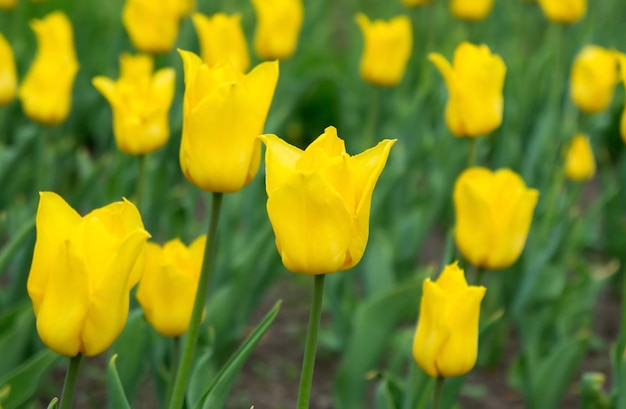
[622, 64]
[8, 72]
[579, 162]
[319, 201]
[471, 10]
[167, 289]
[8, 4]
[82, 271]
[493, 215]
[46, 92]
[152, 25]
[140, 101]
[222, 40]
[224, 112]
[387, 48]
[593, 79]
[278, 27]
[415, 3]
[563, 11]
[475, 81]
[446, 338]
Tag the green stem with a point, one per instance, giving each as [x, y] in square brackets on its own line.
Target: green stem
[438, 392]
[42, 159]
[372, 119]
[308, 363]
[480, 272]
[471, 155]
[182, 374]
[67, 396]
[174, 360]
[141, 175]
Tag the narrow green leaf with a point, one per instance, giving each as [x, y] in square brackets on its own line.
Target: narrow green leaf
[53, 403]
[24, 379]
[117, 397]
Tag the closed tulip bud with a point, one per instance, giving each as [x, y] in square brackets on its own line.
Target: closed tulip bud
[278, 27]
[593, 79]
[446, 338]
[222, 40]
[319, 201]
[82, 272]
[46, 92]
[152, 25]
[224, 112]
[475, 81]
[140, 101]
[493, 215]
[167, 289]
[8, 4]
[563, 11]
[471, 10]
[387, 48]
[579, 162]
[415, 3]
[8, 73]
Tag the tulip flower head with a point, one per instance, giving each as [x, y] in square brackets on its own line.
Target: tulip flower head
[475, 80]
[563, 11]
[593, 78]
[152, 25]
[278, 27]
[46, 92]
[82, 272]
[8, 4]
[579, 162]
[471, 10]
[8, 72]
[224, 112]
[140, 101]
[387, 48]
[494, 211]
[446, 338]
[622, 65]
[222, 40]
[319, 201]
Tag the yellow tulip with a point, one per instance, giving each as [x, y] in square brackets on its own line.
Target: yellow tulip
[8, 72]
[493, 215]
[593, 78]
[152, 25]
[563, 11]
[475, 81]
[82, 271]
[278, 27]
[579, 162]
[46, 92]
[471, 10]
[224, 112]
[415, 3]
[387, 48]
[8, 4]
[167, 289]
[319, 201]
[183, 8]
[222, 40]
[140, 101]
[446, 338]
[622, 64]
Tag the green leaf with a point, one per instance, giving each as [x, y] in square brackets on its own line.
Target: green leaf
[24, 379]
[14, 338]
[592, 395]
[117, 397]
[53, 403]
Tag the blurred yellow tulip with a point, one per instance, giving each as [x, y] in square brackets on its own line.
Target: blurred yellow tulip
[622, 67]
[415, 3]
[471, 10]
[183, 8]
[82, 271]
[563, 11]
[140, 101]
[224, 112]
[494, 211]
[446, 338]
[46, 92]
[278, 27]
[8, 72]
[167, 289]
[222, 40]
[319, 201]
[152, 25]
[579, 161]
[8, 4]
[593, 78]
[387, 48]
[475, 81]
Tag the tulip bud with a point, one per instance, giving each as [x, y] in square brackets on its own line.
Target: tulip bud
[8, 72]
[471, 10]
[593, 79]
[152, 25]
[563, 11]
[579, 162]
[222, 40]
[278, 27]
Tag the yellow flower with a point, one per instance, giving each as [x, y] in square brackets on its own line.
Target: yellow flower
[8, 4]
[387, 48]
[152, 25]
[278, 27]
[46, 92]
[140, 101]
[415, 3]
[579, 162]
[319, 201]
[8, 72]
[475, 81]
[222, 40]
[446, 338]
[593, 78]
[82, 271]
[471, 10]
[167, 289]
[563, 11]
[622, 64]
[182, 8]
[224, 112]
[493, 215]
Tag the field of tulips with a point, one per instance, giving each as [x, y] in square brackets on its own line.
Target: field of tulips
[401, 204]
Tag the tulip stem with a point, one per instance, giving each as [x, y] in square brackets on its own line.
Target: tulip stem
[372, 118]
[438, 392]
[69, 386]
[308, 363]
[173, 367]
[139, 189]
[182, 374]
[480, 272]
[471, 157]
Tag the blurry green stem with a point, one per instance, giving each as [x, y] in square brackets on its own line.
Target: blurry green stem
[372, 118]
[141, 176]
[67, 396]
[471, 155]
[42, 159]
[438, 392]
[553, 195]
[182, 374]
[173, 367]
[308, 363]
[480, 272]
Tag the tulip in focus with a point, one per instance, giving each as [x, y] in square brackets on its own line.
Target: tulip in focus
[475, 81]
[319, 201]
[140, 101]
[494, 211]
[46, 92]
[224, 112]
[579, 162]
[152, 25]
[415, 3]
[278, 27]
[593, 79]
[82, 272]
[446, 338]
[563, 11]
[167, 289]
[222, 40]
[8, 72]
[471, 10]
[387, 48]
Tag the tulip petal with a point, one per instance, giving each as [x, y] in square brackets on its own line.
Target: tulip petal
[444, 67]
[106, 87]
[191, 65]
[280, 161]
[261, 82]
[452, 281]
[163, 83]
